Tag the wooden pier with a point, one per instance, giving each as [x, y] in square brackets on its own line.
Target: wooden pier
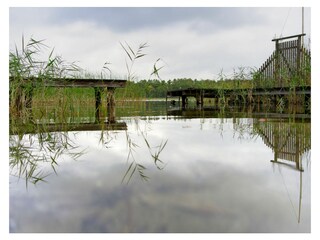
[23, 97]
[290, 60]
[285, 76]
[240, 96]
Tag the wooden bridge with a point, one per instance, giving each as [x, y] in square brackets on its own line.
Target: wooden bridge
[24, 92]
[248, 95]
[288, 65]
[286, 74]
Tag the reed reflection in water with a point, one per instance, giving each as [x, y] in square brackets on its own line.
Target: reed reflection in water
[217, 177]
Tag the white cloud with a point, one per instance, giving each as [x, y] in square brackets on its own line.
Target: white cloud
[187, 47]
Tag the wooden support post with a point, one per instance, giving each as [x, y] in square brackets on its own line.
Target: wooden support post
[277, 65]
[97, 94]
[202, 97]
[276, 143]
[299, 50]
[297, 155]
[28, 98]
[250, 97]
[18, 99]
[306, 100]
[274, 100]
[198, 99]
[111, 105]
[184, 101]
[214, 101]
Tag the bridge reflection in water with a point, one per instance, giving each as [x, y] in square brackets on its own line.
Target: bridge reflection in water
[287, 135]
[289, 142]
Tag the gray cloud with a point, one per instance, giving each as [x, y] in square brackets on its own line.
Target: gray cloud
[131, 19]
[194, 42]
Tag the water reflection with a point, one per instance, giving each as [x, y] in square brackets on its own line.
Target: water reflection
[134, 164]
[34, 145]
[31, 154]
[289, 142]
[206, 174]
[287, 134]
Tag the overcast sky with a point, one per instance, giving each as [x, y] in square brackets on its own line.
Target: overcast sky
[191, 42]
[198, 44]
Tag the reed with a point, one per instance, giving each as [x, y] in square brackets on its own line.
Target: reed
[32, 144]
[136, 166]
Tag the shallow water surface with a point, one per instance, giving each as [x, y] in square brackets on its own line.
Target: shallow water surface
[169, 173]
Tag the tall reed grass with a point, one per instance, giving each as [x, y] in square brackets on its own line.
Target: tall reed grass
[32, 144]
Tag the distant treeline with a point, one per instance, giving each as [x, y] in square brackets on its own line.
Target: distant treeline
[157, 88]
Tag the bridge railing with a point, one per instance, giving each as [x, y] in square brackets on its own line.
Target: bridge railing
[288, 66]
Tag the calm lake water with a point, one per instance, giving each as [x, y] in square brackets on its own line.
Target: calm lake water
[171, 171]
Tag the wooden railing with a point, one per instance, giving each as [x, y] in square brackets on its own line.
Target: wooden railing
[288, 66]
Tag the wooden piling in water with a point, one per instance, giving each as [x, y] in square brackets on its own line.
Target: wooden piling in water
[239, 96]
[97, 95]
[111, 105]
[24, 92]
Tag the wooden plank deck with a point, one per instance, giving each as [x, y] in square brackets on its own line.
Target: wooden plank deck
[305, 90]
[250, 94]
[215, 93]
[31, 128]
[26, 86]
[72, 82]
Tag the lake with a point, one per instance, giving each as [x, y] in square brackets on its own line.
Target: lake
[166, 170]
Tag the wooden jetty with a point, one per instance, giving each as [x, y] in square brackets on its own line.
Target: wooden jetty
[26, 86]
[290, 60]
[249, 95]
[285, 75]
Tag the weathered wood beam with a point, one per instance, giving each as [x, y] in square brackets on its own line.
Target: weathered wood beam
[71, 82]
[58, 127]
[97, 94]
[111, 105]
[199, 94]
[292, 36]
